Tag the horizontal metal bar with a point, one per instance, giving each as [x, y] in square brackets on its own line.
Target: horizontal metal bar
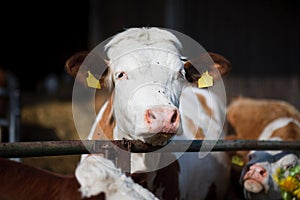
[73, 147]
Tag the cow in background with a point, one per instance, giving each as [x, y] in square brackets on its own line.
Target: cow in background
[262, 119]
[158, 112]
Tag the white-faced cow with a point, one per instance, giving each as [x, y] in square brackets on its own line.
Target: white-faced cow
[263, 119]
[153, 101]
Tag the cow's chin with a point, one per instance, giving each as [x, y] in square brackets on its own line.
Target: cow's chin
[159, 139]
[257, 190]
[253, 186]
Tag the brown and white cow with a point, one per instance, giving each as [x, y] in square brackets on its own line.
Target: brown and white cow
[19, 181]
[263, 119]
[153, 101]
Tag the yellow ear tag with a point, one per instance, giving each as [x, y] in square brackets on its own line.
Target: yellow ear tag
[92, 81]
[205, 80]
[237, 160]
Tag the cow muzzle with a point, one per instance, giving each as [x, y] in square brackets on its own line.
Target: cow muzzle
[161, 123]
[162, 120]
[256, 179]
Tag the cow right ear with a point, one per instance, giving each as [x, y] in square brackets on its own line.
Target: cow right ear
[218, 68]
[73, 64]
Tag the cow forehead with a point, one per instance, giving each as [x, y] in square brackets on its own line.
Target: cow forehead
[139, 46]
[136, 38]
[278, 159]
[288, 159]
[145, 57]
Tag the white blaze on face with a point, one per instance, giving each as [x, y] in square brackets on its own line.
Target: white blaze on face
[147, 71]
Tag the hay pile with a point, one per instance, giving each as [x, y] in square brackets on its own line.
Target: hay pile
[50, 118]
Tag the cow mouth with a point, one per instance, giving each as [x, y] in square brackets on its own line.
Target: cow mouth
[253, 185]
[160, 138]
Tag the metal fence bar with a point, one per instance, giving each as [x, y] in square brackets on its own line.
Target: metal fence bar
[14, 108]
[11, 120]
[73, 147]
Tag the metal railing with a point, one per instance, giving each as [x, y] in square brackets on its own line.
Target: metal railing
[11, 120]
[72, 147]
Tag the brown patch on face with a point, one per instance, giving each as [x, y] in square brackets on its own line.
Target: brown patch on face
[106, 125]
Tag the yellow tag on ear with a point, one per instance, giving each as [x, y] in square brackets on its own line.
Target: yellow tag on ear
[205, 80]
[237, 160]
[92, 81]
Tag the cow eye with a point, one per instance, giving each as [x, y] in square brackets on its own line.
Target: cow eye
[289, 166]
[180, 74]
[251, 156]
[288, 161]
[121, 75]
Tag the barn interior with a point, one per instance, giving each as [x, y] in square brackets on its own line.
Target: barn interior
[261, 39]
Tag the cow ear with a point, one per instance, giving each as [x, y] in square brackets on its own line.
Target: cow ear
[220, 66]
[73, 64]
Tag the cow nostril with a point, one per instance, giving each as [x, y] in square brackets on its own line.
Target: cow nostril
[263, 172]
[149, 116]
[259, 170]
[152, 115]
[174, 117]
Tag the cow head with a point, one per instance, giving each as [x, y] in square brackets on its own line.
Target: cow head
[147, 73]
[257, 177]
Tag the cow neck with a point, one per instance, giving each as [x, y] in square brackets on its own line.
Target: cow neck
[164, 182]
[201, 120]
[144, 162]
[106, 122]
[105, 128]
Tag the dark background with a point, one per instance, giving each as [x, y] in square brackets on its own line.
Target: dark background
[258, 36]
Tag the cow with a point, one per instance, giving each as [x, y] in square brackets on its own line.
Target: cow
[19, 181]
[154, 99]
[262, 119]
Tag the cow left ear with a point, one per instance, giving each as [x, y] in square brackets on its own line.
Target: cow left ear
[73, 64]
[220, 67]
